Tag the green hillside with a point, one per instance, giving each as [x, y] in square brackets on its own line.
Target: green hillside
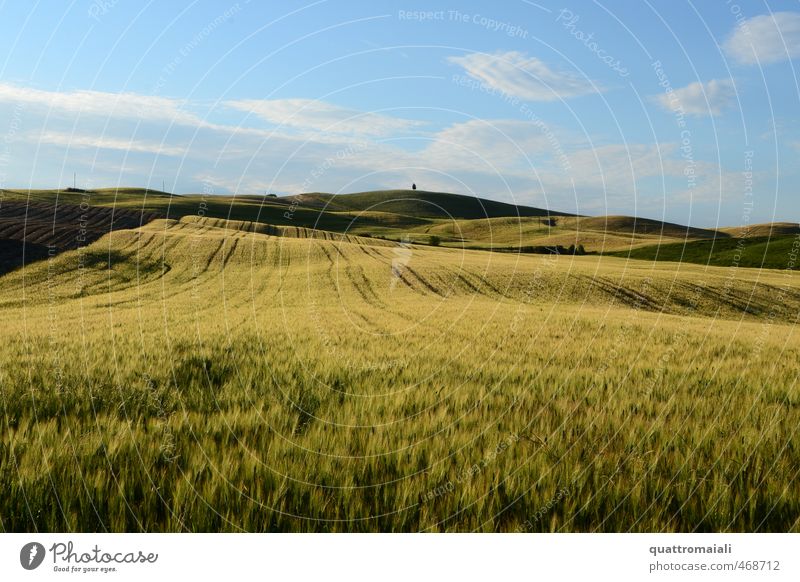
[414, 215]
[419, 203]
[755, 252]
[94, 197]
[645, 226]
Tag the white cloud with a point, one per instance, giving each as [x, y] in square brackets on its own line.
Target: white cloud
[307, 118]
[698, 98]
[526, 77]
[107, 142]
[505, 144]
[330, 148]
[769, 38]
[98, 103]
[311, 114]
[504, 159]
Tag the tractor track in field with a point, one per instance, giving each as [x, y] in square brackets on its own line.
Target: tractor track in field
[468, 284]
[739, 300]
[625, 295]
[187, 255]
[211, 257]
[482, 282]
[734, 299]
[331, 263]
[363, 287]
[358, 280]
[321, 246]
[231, 252]
[65, 226]
[375, 252]
[791, 292]
[264, 276]
[423, 281]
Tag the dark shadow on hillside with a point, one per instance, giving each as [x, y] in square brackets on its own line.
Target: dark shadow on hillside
[16, 253]
[30, 231]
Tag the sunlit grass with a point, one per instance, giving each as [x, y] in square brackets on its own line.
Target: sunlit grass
[191, 376]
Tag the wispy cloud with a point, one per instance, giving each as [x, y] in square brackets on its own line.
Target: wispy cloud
[73, 140]
[711, 98]
[99, 103]
[523, 76]
[320, 146]
[497, 145]
[307, 117]
[311, 114]
[769, 38]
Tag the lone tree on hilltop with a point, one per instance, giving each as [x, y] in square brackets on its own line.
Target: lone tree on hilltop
[413, 186]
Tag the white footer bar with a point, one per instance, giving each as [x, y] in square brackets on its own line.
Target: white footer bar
[400, 557]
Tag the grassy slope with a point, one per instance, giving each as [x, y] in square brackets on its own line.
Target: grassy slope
[99, 197]
[644, 226]
[767, 229]
[603, 233]
[755, 252]
[63, 226]
[198, 377]
[460, 221]
[421, 203]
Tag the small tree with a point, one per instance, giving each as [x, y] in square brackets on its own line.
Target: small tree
[571, 250]
[580, 250]
[413, 186]
[434, 241]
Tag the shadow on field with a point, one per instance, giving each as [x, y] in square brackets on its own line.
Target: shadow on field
[16, 253]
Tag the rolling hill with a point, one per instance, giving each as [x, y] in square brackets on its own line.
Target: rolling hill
[764, 252]
[203, 374]
[412, 215]
[643, 226]
[763, 230]
[31, 230]
[418, 203]
[64, 226]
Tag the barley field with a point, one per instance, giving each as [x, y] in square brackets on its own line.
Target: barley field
[211, 375]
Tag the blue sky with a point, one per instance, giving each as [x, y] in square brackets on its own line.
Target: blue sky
[681, 111]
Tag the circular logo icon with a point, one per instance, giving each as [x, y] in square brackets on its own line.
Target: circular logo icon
[31, 555]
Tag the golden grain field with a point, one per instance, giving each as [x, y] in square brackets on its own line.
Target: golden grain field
[202, 375]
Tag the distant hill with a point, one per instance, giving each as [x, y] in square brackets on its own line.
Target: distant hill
[38, 218]
[30, 231]
[766, 229]
[761, 252]
[418, 203]
[645, 226]
[95, 197]
[64, 226]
